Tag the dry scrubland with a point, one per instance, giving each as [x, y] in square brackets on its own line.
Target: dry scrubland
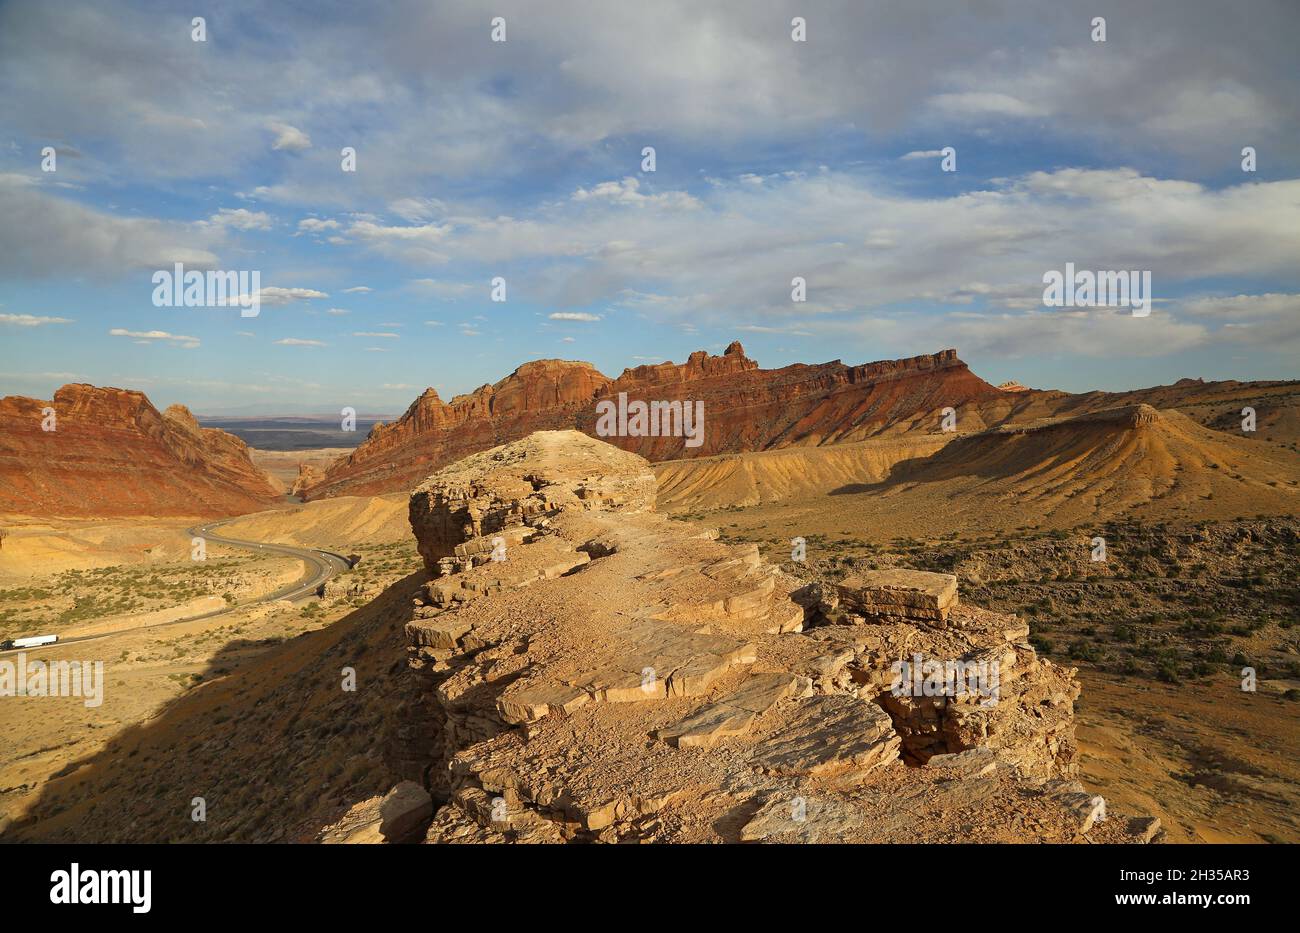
[1160, 632]
[118, 580]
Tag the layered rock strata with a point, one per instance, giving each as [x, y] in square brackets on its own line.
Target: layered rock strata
[108, 452]
[601, 673]
[745, 408]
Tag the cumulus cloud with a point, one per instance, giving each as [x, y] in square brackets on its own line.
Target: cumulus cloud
[241, 218]
[860, 244]
[722, 76]
[316, 225]
[146, 337]
[628, 191]
[32, 320]
[298, 342]
[289, 138]
[573, 316]
[275, 295]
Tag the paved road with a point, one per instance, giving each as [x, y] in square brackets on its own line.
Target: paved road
[321, 565]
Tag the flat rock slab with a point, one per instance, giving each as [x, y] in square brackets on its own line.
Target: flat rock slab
[733, 714]
[898, 590]
[830, 734]
[804, 819]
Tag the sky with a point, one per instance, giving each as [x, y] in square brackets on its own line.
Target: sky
[523, 160]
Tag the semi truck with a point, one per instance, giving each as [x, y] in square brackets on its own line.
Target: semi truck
[32, 641]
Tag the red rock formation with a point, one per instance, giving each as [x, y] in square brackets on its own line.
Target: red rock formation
[746, 408]
[113, 453]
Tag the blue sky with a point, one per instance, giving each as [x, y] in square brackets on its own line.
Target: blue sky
[522, 159]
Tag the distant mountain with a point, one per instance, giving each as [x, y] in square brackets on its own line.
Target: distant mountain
[751, 409]
[745, 408]
[112, 453]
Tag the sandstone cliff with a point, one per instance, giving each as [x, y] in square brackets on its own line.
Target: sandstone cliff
[112, 453]
[746, 408]
[587, 670]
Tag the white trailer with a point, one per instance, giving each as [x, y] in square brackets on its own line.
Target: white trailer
[35, 641]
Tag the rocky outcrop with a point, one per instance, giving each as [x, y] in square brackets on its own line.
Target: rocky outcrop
[745, 408]
[308, 476]
[589, 670]
[101, 451]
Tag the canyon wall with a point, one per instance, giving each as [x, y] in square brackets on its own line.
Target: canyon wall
[745, 408]
[111, 453]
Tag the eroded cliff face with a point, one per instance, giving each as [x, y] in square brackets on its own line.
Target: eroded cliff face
[111, 453]
[745, 408]
[584, 669]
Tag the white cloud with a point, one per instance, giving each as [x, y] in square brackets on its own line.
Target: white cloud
[573, 316]
[371, 333]
[357, 289]
[861, 244]
[299, 342]
[289, 138]
[414, 244]
[337, 312]
[240, 218]
[274, 296]
[628, 191]
[146, 337]
[32, 320]
[315, 225]
[922, 154]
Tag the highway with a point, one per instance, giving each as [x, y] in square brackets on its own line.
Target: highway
[321, 565]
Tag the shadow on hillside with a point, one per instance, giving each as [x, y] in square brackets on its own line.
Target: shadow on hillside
[270, 739]
[975, 455]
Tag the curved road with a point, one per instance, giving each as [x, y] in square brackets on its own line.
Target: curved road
[321, 565]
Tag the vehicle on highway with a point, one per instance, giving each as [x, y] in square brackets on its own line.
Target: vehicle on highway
[33, 641]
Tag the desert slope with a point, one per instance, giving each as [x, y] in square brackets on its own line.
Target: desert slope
[113, 454]
[791, 473]
[340, 523]
[1109, 463]
[1132, 462]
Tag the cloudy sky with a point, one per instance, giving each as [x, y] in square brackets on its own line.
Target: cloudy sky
[523, 159]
